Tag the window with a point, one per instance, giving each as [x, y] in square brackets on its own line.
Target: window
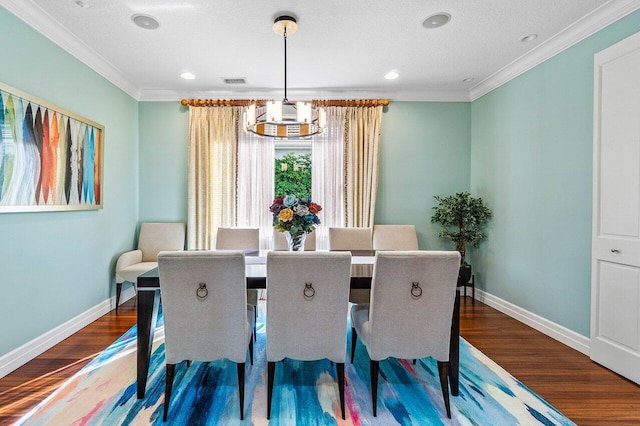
[292, 174]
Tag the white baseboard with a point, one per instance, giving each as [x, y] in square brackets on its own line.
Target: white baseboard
[25, 353]
[562, 334]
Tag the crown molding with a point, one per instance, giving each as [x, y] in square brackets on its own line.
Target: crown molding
[601, 17]
[605, 15]
[44, 23]
[410, 96]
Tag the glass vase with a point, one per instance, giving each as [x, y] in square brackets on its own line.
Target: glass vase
[295, 242]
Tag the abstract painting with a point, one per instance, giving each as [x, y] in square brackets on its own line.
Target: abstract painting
[50, 159]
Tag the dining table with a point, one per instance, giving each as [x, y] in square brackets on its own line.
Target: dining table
[362, 263]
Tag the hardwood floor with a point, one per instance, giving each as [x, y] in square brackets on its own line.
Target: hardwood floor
[584, 391]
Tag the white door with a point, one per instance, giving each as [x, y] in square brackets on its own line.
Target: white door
[615, 276]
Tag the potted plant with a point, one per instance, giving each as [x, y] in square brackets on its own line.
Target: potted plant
[463, 219]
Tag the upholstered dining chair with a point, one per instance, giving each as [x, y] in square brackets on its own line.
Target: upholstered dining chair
[412, 298]
[153, 238]
[395, 237]
[241, 239]
[206, 315]
[280, 242]
[341, 239]
[238, 239]
[307, 310]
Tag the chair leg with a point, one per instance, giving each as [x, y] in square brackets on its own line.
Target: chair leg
[414, 361]
[118, 291]
[167, 390]
[473, 289]
[374, 368]
[340, 368]
[251, 350]
[354, 338]
[255, 321]
[188, 363]
[240, 366]
[443, 370]
[271, 370]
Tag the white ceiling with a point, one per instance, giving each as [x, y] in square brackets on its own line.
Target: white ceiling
[342, 49]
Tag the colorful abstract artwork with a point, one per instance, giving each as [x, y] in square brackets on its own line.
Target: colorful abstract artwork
[50, 159]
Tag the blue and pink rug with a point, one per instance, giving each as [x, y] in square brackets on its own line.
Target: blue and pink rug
[104, 392]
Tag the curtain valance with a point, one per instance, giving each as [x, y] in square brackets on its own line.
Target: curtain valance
[315, 102]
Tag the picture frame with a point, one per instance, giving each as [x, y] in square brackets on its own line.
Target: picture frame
[51, 159]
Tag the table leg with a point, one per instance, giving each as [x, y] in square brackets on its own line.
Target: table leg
[148, 302]
[454, 347]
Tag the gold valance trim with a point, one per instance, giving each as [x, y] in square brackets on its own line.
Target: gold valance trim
[315, 102]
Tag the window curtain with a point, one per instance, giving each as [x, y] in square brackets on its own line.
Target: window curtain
[256, 165]
[213, 140]
[362, 139]
[327, 175]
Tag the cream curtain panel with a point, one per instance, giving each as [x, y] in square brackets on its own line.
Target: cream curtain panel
[327, 175]
[212, 173]
[256, 164]
[362, 140]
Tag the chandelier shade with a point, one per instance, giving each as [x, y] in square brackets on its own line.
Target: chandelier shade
[285, 119]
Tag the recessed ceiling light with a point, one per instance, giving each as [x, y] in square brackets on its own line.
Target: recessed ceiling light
[468, 80]
[528, 38]
[436, 21]
[147, 22]
[187, 76]
[391, 75]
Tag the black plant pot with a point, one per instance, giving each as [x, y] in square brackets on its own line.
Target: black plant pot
[464, 275]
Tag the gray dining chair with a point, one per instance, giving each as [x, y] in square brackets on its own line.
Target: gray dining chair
[412, 300]
[395, 237]
[206, 315]
[342, 239]
[153, 238]
[307, 311]
[241, 239]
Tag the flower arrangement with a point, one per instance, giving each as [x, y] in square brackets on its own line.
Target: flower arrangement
[295, 215]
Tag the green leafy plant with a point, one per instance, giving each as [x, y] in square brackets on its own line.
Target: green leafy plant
[293, 175]
[463, 219]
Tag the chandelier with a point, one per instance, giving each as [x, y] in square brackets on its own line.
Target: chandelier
[285, 119]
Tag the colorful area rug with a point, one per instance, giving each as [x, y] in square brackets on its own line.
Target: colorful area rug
[305, 393]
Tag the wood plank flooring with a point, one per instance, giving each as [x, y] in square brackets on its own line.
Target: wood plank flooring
[584, 391]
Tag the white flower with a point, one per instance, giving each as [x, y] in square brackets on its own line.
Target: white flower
[301, 210]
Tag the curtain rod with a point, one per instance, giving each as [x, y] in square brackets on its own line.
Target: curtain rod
[315, 102]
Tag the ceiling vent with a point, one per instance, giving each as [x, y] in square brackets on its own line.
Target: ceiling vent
[234, 80]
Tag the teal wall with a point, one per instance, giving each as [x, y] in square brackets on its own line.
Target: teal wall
[56, 265]
[531, 160]
[424, 151]
[164, 133]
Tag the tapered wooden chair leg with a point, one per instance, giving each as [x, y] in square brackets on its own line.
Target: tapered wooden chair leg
[251, 351]
[167, 390]
[443, 371]
[340, 368]
[374, 369]
[271, 370]
[354, 338]
[241, 388]
[118, 291]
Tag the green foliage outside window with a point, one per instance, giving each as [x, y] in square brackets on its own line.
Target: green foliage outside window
[293, 175]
